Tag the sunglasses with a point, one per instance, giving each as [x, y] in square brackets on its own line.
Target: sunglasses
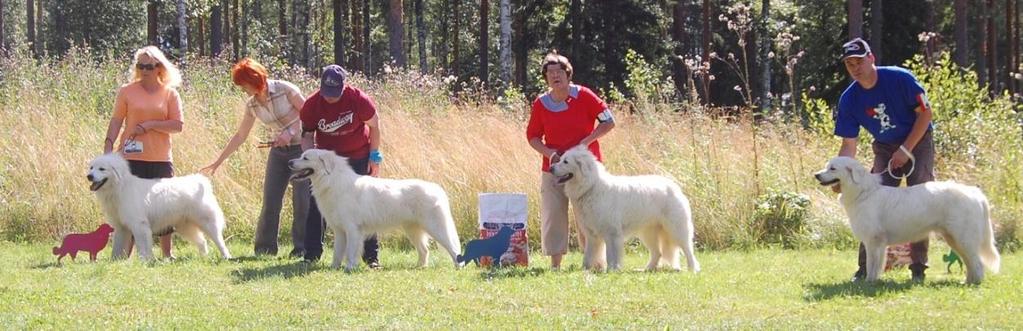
[147, 66]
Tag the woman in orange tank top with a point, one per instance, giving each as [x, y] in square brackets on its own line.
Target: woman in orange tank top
[149, 110]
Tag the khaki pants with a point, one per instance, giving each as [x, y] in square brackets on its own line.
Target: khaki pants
[554, 223]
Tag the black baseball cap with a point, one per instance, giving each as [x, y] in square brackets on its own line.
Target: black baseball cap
[855, 48]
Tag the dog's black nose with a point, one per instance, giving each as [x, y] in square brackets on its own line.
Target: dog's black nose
[818, 176]
[89, 177]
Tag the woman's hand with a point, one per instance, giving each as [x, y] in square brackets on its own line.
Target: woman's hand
[211, 169]
[554, 156]
[139, 129]
[283, 139]
[108, 146]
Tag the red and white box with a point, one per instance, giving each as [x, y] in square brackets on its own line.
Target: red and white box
[498, 210]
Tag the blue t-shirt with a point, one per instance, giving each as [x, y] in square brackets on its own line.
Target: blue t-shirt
[886, 110]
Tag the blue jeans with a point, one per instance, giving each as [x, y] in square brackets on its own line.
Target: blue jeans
[315, 225]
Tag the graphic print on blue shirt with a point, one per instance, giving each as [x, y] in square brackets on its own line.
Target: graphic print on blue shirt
[887, 110]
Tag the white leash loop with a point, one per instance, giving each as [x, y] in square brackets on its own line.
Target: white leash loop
[912, 165]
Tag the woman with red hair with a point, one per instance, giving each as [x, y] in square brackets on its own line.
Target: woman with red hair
[276, 103]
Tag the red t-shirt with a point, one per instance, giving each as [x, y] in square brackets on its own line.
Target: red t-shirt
[562, 125]
[340, 126]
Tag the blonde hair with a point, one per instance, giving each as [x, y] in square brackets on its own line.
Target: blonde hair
[169, 75]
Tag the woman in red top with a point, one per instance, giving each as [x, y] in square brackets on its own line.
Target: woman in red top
[566, 116]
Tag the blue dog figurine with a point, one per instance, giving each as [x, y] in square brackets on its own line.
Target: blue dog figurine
[493, 247]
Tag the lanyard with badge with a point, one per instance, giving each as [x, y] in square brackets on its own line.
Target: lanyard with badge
[132, 146]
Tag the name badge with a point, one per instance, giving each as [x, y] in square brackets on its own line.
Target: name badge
[132, 147]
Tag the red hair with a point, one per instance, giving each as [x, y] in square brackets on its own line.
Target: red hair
[249, 72]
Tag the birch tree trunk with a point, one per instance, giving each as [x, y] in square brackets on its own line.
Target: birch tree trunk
[506, 56]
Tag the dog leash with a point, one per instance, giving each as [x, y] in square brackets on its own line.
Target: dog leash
[912, 165]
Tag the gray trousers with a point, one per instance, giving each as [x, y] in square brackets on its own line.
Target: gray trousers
[922, 173]
[275, 183]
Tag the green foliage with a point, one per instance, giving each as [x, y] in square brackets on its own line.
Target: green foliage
[781, 217]
[609, 30]
[819, 116]
[968, 120]
[612, 95]
[645, 84]
[512, 99]
[104, 25]
[821, 26]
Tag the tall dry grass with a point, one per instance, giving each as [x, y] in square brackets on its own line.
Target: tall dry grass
[54, 115]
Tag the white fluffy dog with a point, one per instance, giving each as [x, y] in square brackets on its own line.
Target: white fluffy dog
[882, 215]
[612, 208]
[140, 207]
[355, 206]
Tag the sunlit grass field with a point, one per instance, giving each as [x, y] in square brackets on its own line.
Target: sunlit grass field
[773, 289]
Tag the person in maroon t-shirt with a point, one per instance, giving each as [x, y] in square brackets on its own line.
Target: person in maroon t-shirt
[562, 118]
[343, 119]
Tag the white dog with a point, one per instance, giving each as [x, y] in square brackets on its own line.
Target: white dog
[882, 215]
[140, 207]
[612, 208]
[355, 205]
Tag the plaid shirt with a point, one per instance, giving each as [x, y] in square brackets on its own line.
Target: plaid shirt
[278, 113]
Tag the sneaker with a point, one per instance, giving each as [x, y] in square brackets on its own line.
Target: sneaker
[918, 272]
[860, 275]
[297, 254]
[373, 264]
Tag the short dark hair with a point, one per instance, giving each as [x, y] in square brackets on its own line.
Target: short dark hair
[554, 58]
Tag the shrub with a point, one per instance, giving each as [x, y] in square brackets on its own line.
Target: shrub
[781, 218]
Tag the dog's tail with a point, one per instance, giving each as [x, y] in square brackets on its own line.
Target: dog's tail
[988, 252]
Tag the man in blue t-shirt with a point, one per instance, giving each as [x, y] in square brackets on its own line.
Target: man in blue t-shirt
[892, 105]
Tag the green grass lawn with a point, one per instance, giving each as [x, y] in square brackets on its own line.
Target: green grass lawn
[760, 289]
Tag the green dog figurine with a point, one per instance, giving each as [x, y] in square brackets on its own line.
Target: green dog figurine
[952, 258]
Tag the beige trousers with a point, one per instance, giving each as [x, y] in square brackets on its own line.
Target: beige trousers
[554, 223]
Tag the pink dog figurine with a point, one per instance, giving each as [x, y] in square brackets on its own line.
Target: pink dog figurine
[92, 242]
